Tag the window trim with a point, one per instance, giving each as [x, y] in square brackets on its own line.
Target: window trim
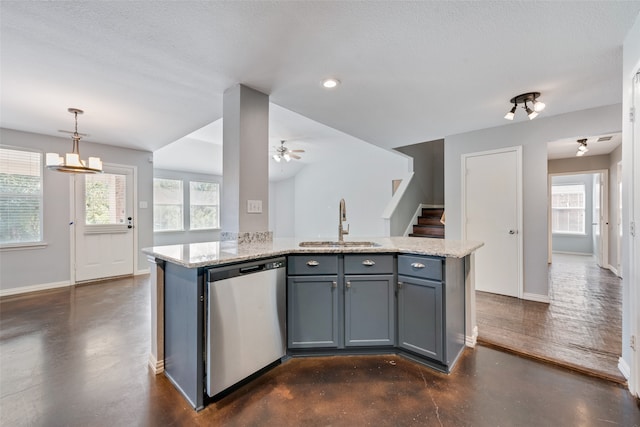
[36, 244]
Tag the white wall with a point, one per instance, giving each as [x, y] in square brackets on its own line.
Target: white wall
[282, 219]
[614, 207]
[51, 265]
[631, 208]
[361, 174]
[186, 236]
[533, 137]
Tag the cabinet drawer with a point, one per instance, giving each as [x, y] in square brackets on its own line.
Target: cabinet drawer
[420, 266]
[368, 264]
[313, 264]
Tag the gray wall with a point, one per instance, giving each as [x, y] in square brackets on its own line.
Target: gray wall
[533, 136]
[51, 264]
[185, 236]
[583, 243]
[428, 167]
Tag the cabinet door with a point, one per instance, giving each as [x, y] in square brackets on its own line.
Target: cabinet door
[313, 311]
[420, 316]
[369, 310]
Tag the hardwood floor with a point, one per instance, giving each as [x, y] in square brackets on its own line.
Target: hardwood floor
[78, 357]
[581, 328]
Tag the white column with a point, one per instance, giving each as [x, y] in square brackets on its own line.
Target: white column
[156, 290]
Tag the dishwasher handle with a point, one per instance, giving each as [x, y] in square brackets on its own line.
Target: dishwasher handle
[251, 269]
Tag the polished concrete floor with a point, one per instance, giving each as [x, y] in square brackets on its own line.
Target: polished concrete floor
[78, 357]
[580, 328]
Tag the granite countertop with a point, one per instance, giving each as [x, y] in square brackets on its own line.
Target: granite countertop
[194, 255]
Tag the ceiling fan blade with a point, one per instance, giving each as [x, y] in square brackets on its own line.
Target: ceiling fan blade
[296, 151]
[294, 156]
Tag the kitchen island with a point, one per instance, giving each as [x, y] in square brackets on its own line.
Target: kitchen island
[411, 296]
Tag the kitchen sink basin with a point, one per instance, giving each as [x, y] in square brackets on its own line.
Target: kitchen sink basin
[320, 244]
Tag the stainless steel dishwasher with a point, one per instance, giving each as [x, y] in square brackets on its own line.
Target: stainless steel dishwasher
[245, 321]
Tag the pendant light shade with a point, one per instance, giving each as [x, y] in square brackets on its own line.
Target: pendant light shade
[71, 162]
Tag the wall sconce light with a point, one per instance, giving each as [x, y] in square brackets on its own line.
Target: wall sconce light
[531, 97]
[71, 162]
[582, 147]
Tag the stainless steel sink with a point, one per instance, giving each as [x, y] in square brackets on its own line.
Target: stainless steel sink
[327, 244]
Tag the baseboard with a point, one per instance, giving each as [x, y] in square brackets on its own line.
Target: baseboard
[33, 288]
[157, 366]
[624, 368]
[614, 270]
[142, 272]
[471, 340]
[536, 297]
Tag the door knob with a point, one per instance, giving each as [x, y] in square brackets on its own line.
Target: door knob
[512, 231]
[129, 222]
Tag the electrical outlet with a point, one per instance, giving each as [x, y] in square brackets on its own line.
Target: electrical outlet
[632, 344]
[254, 206]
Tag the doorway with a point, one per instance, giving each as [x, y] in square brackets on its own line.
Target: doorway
[103, 237]
[579, 215]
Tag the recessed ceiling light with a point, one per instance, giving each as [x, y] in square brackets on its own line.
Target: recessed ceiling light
[330, 83]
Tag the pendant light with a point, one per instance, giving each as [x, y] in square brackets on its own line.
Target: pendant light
[71, 162]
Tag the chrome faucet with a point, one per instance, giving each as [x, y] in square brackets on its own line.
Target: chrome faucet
[342, 217]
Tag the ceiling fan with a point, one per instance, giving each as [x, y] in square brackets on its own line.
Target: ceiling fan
[283, 152]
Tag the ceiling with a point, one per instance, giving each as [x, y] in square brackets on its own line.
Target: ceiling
[149, 73]
[597, 145]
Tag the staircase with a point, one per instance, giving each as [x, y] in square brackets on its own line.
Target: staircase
[429, 224]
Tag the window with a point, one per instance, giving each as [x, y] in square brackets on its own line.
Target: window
[205, 200]
[105, 199]
[20, 196]
[167, 205]
[567, 209]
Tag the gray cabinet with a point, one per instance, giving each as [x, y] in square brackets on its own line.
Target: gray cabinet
[369, 310]
[420, 316]
[341, 301]
[369, 300]
[431, 307]
[313, 309]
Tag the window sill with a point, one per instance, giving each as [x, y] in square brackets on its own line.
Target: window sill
[569, 234]
[22, 246]
[168, 231]
[205, 229]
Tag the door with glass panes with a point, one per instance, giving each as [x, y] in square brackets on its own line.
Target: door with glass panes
[104, 234]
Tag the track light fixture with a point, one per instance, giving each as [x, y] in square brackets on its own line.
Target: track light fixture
[531, 97]
[582, 147]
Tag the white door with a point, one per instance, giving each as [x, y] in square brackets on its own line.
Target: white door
[104, 241]
[492, 214]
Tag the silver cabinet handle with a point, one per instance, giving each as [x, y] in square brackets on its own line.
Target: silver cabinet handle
[368, 262]
[417, 265]
[348, 284]
[313, 263]
[400, 285]
[334, 284]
